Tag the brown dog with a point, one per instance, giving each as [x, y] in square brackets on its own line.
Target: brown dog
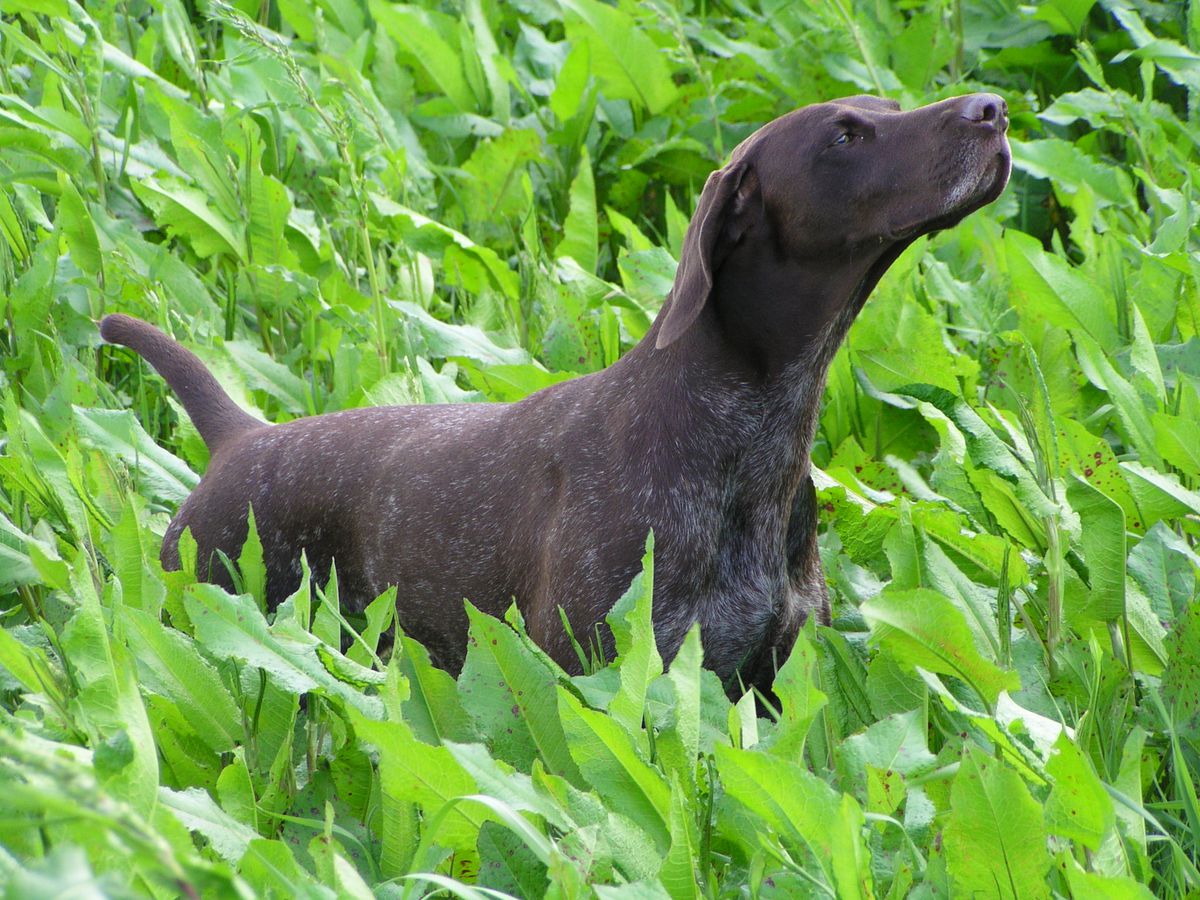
[701, 431]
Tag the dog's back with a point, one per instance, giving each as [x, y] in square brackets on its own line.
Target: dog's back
[446, 501]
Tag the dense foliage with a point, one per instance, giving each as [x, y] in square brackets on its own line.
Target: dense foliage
[350, 202]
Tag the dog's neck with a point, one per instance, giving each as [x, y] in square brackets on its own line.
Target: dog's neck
[777, 315]
[736, 398]
[717, 428]
[759, 354]
[784, 323]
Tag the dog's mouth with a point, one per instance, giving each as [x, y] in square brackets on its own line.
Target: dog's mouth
[988, 185]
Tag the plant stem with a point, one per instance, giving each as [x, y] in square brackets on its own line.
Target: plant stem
[852, 27]
[1054, 591]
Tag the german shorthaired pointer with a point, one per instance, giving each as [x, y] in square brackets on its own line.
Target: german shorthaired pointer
[701, 432]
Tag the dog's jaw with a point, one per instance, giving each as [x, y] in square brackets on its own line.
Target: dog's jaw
[978, 186]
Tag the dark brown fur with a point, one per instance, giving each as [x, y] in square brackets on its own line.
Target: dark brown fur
[701, 431]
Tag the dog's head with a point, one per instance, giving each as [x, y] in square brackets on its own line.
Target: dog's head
[855, 179]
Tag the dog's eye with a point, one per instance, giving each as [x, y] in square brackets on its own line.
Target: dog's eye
[844, 138]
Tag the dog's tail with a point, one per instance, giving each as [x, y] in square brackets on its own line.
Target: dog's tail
[212, 411]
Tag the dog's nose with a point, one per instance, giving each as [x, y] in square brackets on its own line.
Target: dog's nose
[988, 110]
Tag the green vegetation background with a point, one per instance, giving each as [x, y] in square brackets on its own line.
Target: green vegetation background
[350, 202]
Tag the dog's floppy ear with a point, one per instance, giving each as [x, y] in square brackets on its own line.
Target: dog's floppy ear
[721, 205]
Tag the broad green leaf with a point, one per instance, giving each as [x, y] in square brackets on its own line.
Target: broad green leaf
[1070, 169]
[1090, 456]
[1095, 886]
[1079, 807]
[986, 449]
[843, 674]
[16, 568]
[444, 340]
[571, 83]
[75, 222]
[1164, 566]
[431, 237]
[1143, 358]
[433, 709]
[500, 780]
[994, 839]
[678, 744]
[431, 39]
[976, 602]
[135, 561]
[631, 621]
[262, 373]
[29, 665]
[250, 563]
[624, 60]
[170, 665]
[496, 71]
[1181, 679]
[1036, 733]
[635, 240]
[200, 150]
[493, 186]
[1065, 16]
[1131, 412]
[109, 697]
[1098, 108]
[509, 383]
[1159, 495]
[179, 39]
[414, 772]
[579, 239]
[1103, 541]
[119, 434]
[13, 234]
[798, 806]
[893, 687]
[1129, 783]
[742, 721]
[902, 550]
[510, 695]
[647, 275]
[270, 867]
[987, 551]
[1177, 438]
[921, 628]
[1146, 633]
[235, 791]
[897, 744]
[678, 873]
[609, 760]
[1044, 285]
[269, 207]
[507, 864]
[46, 119]
[199, 813]
[231, 627]
[1180, 63]
[115, 59]
[334, 869]
[799, 700]
[185, 213]
[900, 344]
[850, 853]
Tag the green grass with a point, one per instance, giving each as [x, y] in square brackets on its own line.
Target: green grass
[344, 203]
